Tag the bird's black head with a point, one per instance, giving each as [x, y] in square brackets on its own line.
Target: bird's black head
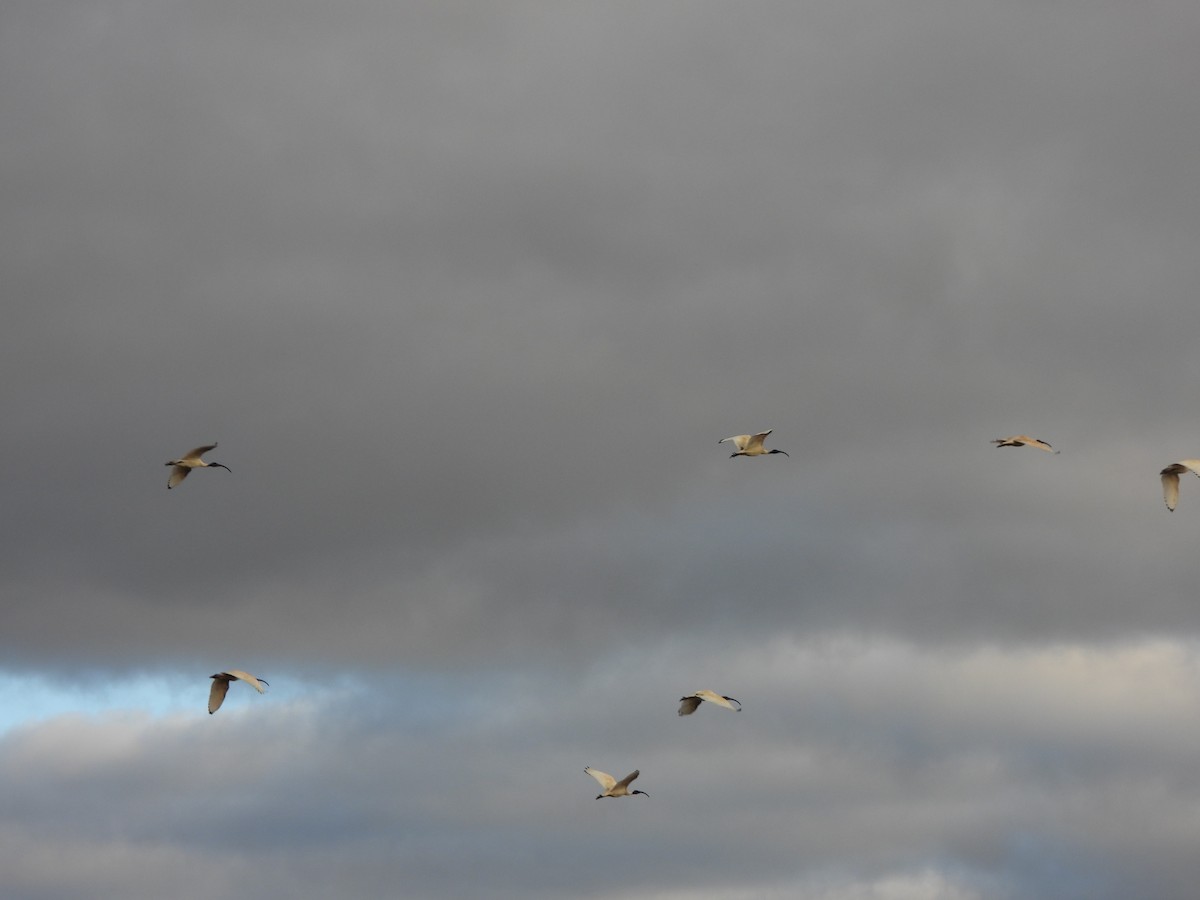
[599, 796]
[220, 466]
[643, 793]
[784, 452]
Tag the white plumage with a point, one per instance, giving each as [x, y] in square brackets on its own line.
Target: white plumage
[751, 444]
[691, 702]
[1170, 479]
[1023, 440]
[220, 685]
[613, 788]
[191, 460]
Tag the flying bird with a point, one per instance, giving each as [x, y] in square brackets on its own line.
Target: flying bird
[751, 444]
[187, 462]
[612, 787]
[1170, 479]
[1024, 440]
[220, 685]
[691, 702]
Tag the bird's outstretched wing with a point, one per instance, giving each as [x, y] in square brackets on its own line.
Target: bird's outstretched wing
[688, 705]
[216, 695]
[628, 779]
[606, 780]
[1170, 479]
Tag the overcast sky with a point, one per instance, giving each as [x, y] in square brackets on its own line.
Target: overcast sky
[468, 293]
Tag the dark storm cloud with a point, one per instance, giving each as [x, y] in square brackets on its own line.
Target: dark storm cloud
[469, 294]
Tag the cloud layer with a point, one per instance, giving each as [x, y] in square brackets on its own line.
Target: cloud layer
[468, 299]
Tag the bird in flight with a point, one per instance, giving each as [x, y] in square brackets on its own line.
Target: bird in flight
[612, 787]
[751, 444]
[1170, 479]
[220, 685]
[191, 460]
[691, 702]
[1024, 440]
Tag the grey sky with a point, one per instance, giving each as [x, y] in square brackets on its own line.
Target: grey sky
[468, 293]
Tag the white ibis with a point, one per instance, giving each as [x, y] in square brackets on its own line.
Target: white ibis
[612, 787]
[1024, 440]
[751, 444]
[220, 685]
[691, 702]
[191, 460]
